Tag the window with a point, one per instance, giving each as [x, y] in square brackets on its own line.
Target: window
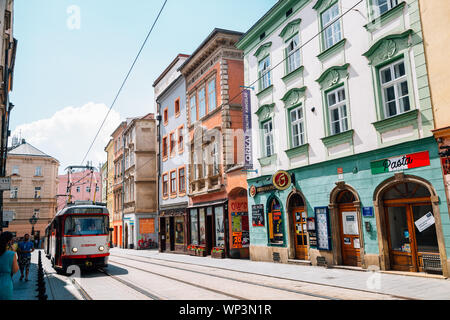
[204, 167]
[297, 127]
[177, 107]
[78, 189]
[193, 106]
[215, 156]
[37, 192]
[15, 170]
[212, 95]
[194, 226]
[381, 6]
[201, 103]
[164, 148]
[36, 213]
[180, 139]
[165, 185]
[268, 138]
[38, 171]
[394, 86]
[264, 73]
[173, 182]
[338, 110]
[172, 144]
[293, 54]
[181, 180]
[332, 29]
[88, 189]
[97, 189]
[14, 193]
[166, 116]
[275, 223]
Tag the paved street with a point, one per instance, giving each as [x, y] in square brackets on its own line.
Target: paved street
[150, 275]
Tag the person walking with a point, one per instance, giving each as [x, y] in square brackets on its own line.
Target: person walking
[24, 250]
[8, 266]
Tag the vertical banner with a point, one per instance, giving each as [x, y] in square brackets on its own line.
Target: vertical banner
[247, 126]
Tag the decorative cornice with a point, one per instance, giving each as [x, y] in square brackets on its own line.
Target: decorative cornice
[346, 136]
[293, 96]
[265, 111]
[297, 151]
[333, 75]
[332, 50]
[387, 47]
[263, 50]
[398, 121]
[321, 4]
[290, 29]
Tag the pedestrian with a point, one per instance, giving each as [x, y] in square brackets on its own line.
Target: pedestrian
[24, 250]
[8, 266]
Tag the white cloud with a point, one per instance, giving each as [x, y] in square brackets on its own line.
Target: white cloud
[68, 134]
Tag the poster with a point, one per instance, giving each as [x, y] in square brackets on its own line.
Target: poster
[356, 244]
[245, 239]
[425, 222]
[146, 226]
[220, 228]
[350, 223]
[323, 234]
[237, 240]
[258, 215]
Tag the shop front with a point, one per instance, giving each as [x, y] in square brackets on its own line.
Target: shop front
[238, 224]
[173, 230]
[207, 224]
[385, 209]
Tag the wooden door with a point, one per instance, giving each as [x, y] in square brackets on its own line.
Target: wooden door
[300, 233]
[349, 231]
[401, 240]
[162, 233]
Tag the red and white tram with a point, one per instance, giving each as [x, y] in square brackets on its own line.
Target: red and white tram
[78, 235]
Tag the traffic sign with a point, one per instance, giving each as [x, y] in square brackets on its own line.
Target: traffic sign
[8, 215]
[5, 183]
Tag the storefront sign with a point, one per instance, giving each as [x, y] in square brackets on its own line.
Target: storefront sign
[425, 222]
[323, 228]
[146, 226]
[404, 162]
[367, 211]
[258, 215]
[281, 180]
[237, 240]
[252, 191]
[247, 126]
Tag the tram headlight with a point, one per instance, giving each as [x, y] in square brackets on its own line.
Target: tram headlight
[74, 250]
[101, 248]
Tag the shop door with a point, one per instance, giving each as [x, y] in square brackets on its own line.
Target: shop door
[409, 246]
[349, 230]
[172, 233]
[162, 233]
[168, 234]
[301, 239]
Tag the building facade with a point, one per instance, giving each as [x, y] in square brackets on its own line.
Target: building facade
[170, 93]
[434, 18]
[34, 179]
[217, 213]
[109, 185]
[86, 186]
[347, 170]
[139, 183]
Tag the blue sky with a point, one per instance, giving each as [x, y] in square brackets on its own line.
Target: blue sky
[57, 67]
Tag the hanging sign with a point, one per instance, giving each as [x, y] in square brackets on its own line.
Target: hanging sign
[281, 180]
[252, 191]
[404, 162]
[425, 222]
[247, 126]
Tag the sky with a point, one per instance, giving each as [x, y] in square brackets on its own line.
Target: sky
[73, 55]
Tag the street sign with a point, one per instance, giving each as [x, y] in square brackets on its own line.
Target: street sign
[5, 183]
[8, 215]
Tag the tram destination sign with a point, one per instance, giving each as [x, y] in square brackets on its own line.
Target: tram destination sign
[403, 162]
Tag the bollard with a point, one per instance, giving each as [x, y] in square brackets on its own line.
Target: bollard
[40, 280]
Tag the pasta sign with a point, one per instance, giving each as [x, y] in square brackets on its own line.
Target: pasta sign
[404, 162]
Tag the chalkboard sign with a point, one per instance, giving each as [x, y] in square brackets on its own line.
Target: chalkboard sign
[323, 228]
[258, 215]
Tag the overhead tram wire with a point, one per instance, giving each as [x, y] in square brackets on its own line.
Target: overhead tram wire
[236, 96]
[125, 80]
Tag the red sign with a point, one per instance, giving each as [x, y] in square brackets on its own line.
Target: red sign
[252, 191]
[281, 180]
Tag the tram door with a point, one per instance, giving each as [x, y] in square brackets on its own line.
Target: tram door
[301, 239]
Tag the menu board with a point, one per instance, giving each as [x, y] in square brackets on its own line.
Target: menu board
[323, 228]
[258, 215]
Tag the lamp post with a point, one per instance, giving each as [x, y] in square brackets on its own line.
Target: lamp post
[33, 221]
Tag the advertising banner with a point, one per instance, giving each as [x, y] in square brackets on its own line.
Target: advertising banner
[247, 126]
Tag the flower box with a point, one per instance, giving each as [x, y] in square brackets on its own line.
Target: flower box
[217, 253]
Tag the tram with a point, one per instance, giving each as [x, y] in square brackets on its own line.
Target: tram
[78, 235]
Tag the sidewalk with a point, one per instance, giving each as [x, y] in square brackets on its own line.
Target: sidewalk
[393, 284]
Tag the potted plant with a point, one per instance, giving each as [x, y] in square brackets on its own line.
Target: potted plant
[192, 250]
[218, 253]
[201, 251]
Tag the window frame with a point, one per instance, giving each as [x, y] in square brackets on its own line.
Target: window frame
[201, 102]
[191, 98]
[262, 74]
[182, 178]
[165, 148]
[209, 93]
[165, 194]
[180, 145]
[38, 173]
[172, 144]
[37, 192]
[296, 50]
[265, 155]
[14, 192]
[166, 116]
[338, 105]
[173, 192]
[177, 107]
[298, 121]
[330, 25]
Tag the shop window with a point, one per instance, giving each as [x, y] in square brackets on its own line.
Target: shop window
[220, 228]
[275, 219]
[202, 223]
[194, 226]
[179, 230]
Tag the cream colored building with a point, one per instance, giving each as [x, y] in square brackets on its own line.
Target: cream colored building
[140, 197]
[109, 183]
[34, 179]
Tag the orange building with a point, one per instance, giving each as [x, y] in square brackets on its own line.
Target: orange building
[217, 214]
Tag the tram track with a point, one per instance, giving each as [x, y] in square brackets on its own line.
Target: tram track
[304, 293]
[392, 296]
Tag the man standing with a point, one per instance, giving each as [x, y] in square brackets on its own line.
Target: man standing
[24, 251]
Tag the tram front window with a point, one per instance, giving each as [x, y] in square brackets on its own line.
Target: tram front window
[80, 226]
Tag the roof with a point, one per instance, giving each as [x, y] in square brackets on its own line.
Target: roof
[211, 35]
[26, 149]
[178, 57]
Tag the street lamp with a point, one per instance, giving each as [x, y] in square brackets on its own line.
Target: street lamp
[33, 221]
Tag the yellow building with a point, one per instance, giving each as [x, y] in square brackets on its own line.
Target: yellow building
[109, 149]
[435, 27]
